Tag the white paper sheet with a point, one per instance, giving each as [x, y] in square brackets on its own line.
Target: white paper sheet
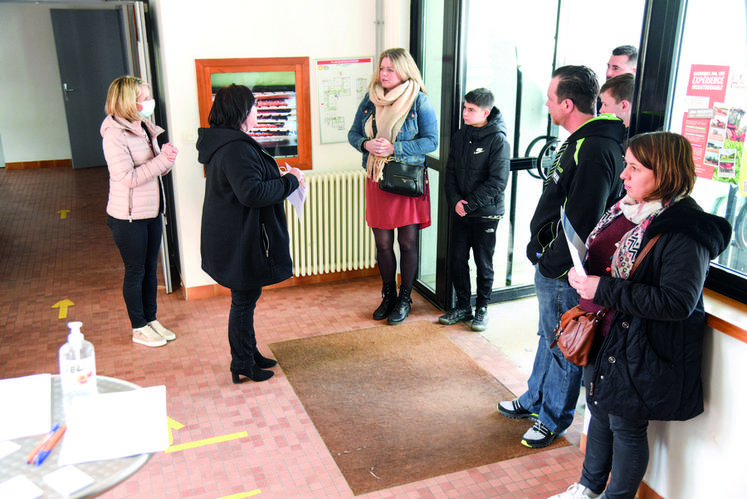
[113, 425]
[576, 245]
[26, 406]
[20, 487]
[67, 480]
[298, 197]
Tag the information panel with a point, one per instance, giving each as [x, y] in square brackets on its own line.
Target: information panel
[341, 85]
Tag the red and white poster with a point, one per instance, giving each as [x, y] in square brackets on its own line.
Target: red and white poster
[715, 122]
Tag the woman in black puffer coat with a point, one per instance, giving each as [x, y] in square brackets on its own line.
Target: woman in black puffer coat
[648, 360]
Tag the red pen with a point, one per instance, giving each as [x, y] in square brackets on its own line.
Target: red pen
[49, 445]
[33, 453]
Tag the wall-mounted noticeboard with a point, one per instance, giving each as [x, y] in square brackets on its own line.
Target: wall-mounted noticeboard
[281, 88]
[341, 85]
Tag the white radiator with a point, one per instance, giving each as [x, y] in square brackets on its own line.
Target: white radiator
[333, 235]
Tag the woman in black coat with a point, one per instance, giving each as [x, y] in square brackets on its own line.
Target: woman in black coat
[245, 242]
[648, 360]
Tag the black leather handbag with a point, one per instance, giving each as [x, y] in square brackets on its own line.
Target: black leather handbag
[403, 179]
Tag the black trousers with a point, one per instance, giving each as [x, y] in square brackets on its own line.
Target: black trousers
[241, 336]
[480, 238]
[139, 242]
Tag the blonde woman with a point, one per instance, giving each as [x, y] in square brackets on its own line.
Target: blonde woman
[136, 200]
[396, 119]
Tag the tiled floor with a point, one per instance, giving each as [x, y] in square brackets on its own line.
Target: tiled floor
[269, 447]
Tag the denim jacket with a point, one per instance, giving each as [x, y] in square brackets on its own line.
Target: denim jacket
[417, 137]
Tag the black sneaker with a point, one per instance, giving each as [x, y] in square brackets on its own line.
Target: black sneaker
[538, 436]
[456, 315]
[513, 409]
[480, 322]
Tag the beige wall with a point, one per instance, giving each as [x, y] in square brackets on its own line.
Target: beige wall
[32, 114]
[190, 29]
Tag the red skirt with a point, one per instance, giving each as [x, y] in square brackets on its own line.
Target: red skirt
[385, 210]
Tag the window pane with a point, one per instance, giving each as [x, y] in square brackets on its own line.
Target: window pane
[709, 107]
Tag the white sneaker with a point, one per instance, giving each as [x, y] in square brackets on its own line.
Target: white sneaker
[147, 336]
[162, 331]
[576, 491]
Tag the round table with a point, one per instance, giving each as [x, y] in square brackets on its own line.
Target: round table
[106, 474]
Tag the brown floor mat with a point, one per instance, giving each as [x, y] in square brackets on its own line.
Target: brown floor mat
[398, 404]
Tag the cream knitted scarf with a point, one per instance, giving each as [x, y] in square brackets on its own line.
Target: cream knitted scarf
[391, 112]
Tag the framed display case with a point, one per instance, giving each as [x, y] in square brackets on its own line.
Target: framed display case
[281, 87]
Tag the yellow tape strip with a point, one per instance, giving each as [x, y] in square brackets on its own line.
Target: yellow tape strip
[207, 441]
[243, 494]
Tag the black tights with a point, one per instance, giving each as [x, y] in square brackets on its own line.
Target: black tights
[407, 237]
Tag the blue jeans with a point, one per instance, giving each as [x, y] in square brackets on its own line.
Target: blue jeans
[139, 242]
[241, 336]
[555, 383]
[616, 448]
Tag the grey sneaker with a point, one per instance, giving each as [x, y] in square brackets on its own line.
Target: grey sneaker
[513, 409]
[480, 322]
[162, 331]
[576, 491]
[147, 336]
[538, 436]
[456, 315]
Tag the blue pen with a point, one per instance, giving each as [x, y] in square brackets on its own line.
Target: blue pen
[32, 455]
[49, 445]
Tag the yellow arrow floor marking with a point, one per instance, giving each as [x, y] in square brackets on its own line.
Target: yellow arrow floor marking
[63, 214]
[63, 306]
[173, 425]
[207, 441]
[241, 495]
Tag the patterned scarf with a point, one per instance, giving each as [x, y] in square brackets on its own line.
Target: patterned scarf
[391, 112]
[640, 214]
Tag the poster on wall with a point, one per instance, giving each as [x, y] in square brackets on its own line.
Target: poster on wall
[341, 85]
[715, 122]
[277, 117]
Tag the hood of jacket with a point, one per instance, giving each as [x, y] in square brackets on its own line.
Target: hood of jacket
[600, 127]
[113, 122]
[209, 140]
[686, 217]
[495, 123]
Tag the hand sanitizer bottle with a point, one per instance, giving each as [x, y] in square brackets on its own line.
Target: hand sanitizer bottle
[77, 364]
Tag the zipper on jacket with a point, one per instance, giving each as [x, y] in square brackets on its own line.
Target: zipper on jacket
[265, 241]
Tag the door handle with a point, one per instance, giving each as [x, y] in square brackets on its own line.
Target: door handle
[67, 90]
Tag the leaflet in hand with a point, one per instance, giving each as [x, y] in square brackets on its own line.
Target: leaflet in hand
[298, 197]
[576, 245]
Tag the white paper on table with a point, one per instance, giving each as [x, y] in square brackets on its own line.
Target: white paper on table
[114, 425]
[20, 487]
[68, 480]
[576, 245]
[27, 406]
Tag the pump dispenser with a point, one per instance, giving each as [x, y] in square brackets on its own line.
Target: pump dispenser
[77, 364]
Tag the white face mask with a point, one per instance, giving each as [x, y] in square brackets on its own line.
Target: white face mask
[148, 107]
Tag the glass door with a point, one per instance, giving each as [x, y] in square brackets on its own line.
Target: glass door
[510, 48]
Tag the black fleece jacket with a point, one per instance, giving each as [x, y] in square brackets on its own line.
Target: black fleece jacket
[586, 180]
[478, 167]
[245, 242]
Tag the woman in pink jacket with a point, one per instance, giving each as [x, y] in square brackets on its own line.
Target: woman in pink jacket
[136, 200]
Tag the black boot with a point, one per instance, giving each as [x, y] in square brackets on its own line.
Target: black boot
[263, 362]
[389, 300]
[402, 308]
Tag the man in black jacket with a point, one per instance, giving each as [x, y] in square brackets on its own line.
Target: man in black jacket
[476, 176]
[585, 180]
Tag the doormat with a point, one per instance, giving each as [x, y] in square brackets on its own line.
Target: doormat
[399, 404]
